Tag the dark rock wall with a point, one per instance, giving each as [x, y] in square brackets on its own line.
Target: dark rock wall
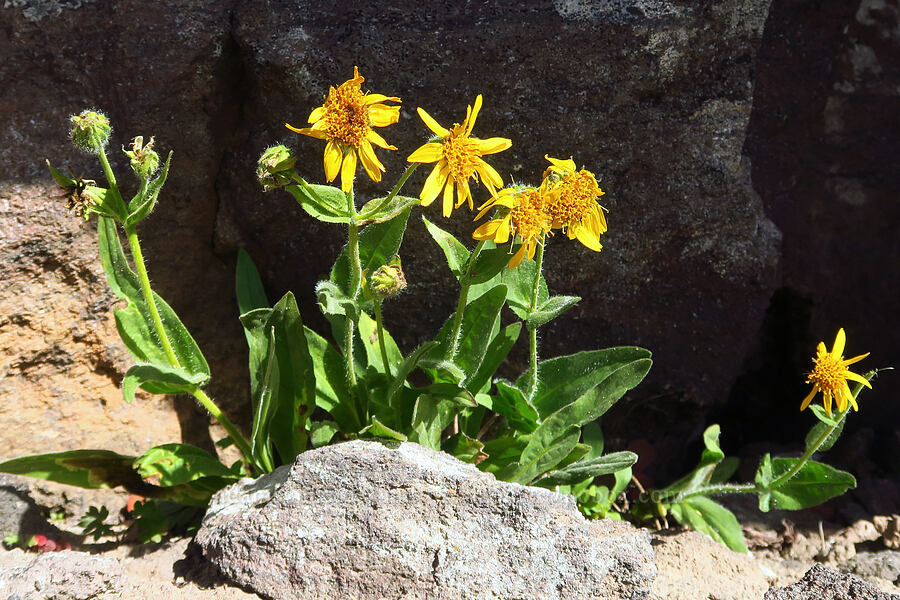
[706, 222]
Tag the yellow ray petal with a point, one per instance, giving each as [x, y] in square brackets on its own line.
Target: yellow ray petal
[585, 237]
[489, 175]
[333, 158]
[826, 401]
[503, 231]
[567, 165]
[348, 171]
[855, 377]
[839, 342]
[433, 184]
[379, 141]
[427, 153]
[316, 133]
[850, 398]
[809, 398]
[491, 145]
[375, 98]
[382, 116]
[448, 198]
[463, 193]
[850, 361]
[517, 257]
[431, 123]
[369, 161]
[316, 114]
[486, 231]
[472, 115]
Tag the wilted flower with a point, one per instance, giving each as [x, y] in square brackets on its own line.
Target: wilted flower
[275, 167]
[458, 157]
[144, 159]
[346, 120]
[573, 202]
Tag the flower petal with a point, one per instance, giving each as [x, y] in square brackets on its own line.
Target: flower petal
[316, 133]
[855, 377]
[379, 141]
[433, 184]
[348, 171]
[850, 361]
[369, 161]
[517, 257]
[491, 145]
[463, 193]
[472, 114]
[316, 114]
[586, 237]
[427, 153]
[566, 166]
[431, 123]
[851, 398]
[333, 158]
[809, 398]
[448, 198]
[486, 231]
[839, 342]
[375, 98]
[489, 175]
[382, 116]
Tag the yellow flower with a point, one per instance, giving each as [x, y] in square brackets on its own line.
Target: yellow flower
[525, 217]
[457, 157]
[573, 205]
[346, 120]
[830, 375]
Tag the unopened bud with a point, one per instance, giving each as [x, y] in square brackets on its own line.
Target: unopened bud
[90, 131]
[144, 159]
[275, 166]
[387, 281]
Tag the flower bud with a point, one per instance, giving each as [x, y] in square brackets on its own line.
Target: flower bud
[144, 159]
[387, 281]
[275, 166]
[90, 131]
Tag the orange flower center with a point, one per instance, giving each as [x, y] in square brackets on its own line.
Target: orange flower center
[459, 153]
[347, 115]
[529, 219]
[827, 373]
[573, 198]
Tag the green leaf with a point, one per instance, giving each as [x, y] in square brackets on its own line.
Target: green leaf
[592, 435]
[491, 261]
[494, 356]
[396, 206]
[546, 447]
[378, 243]
[332, 394]
[323, 202]
[248, 285]
[710, 458]
[378, 430]
[143, 205]
[590, 468]
[176, 464]
[430, 416]
[89, 469]
[713, 519]
[565, 379]
[322, 432]
[457, 254]
[819, 411]
[813, 484]
[158, 379]
[724, 470]
[549, 310]
[368, 333]
[821, 429]
[512, 404]
[464, 448]
[134, 322]
[502, 451]
[403, 371]
[520, 282]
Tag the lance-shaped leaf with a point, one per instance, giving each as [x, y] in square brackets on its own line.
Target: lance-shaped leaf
[134, 322]
[547, 446]
[495, 354]
[512, 404]
[377, 429]
[322, 202]
[464, 448]
[491, 261]
[332, 394]
[143, 204]
[158, 379]
[457, 255]
[709, 460]
[397, 205]
[378, 243]
[827, 431]
[322, 432]
[176, 464]
[368, 333]
[248, 285]
[550, 309]
[590, 468]
[813, 484]
[520, 282]
[713, 519]
[89, 469]
[431, 414]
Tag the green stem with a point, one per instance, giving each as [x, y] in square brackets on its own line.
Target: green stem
[380, 329]
[539, 260]
[217, 413]
[465, 282]
[409, 171]
[810, 450]
[724, 488]
[113, 185]
[144, 279]
[353, 289]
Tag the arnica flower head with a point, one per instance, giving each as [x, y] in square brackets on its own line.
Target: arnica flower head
[346, 120]
[830, 375]
[458, 157]
[525, 218]
[573, 203]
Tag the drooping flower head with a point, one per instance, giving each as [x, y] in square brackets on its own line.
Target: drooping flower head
[458, 158]
[830, 375]
[525, 217]
[346, 120]
[573, 202]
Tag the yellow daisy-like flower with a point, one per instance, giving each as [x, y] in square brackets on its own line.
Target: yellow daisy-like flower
[830, 375]
[526, 218]
[346, 120]
[457, 157]
[573, 204]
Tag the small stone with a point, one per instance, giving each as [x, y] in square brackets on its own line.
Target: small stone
[822, 583]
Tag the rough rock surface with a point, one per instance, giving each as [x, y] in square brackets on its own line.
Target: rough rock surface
[822, 583]
[693, 567]
[362, 520]
[63, 576]
[19, 514]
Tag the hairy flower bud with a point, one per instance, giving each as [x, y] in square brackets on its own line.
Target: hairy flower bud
[387, 281]
[90, 131]
[144, 159]
[274, 167]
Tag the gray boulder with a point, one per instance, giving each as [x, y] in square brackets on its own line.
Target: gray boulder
[363, 520]
[822, 583]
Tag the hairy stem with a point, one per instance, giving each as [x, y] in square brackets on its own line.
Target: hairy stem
[532, 331]
[409, 171]
[465, 282]
[113, 185]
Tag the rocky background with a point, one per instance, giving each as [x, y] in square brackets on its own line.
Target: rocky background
[748, 148]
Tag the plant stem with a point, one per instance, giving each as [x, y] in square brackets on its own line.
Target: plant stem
[380, 329]
[144, 279]
[532, 331]
[409, 171]
[812, 449]
[113, 185]
[219, 416]
[465, 283]
[353, 290]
